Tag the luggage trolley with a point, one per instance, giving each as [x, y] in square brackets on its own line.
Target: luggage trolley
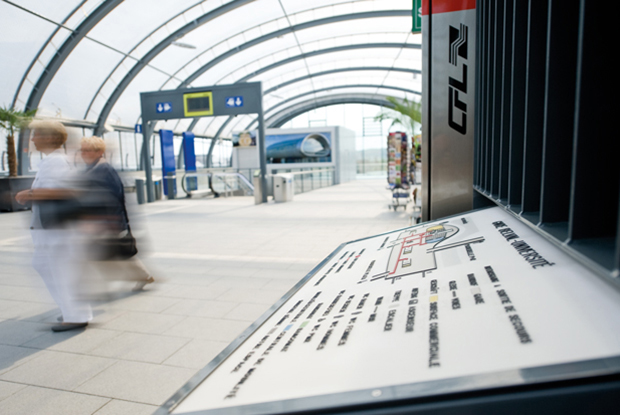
[401, 197]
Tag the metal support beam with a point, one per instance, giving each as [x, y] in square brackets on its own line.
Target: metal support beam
[286, 101]
[221, 129]
[147, 129]
[291, 29]
[317, 53]
[280, 118]
[339, 70]
[209, 16]
[52, 67]
[152, 54]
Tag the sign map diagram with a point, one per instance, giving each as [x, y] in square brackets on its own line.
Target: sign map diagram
[413, 251]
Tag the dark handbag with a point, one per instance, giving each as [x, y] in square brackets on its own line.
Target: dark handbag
[119, 247]
[116, 248]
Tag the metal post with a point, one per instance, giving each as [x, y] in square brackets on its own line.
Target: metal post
[146, 159]
[140, 191]
[170, 182]
[262, 147]
[23, 152]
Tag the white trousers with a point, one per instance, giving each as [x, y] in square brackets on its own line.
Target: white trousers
[58, 258]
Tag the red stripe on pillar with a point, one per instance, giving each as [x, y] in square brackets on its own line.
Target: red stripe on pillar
[445, 6]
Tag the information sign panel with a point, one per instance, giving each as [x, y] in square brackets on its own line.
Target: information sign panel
[472, 302]
[197, 104]
[234, 102]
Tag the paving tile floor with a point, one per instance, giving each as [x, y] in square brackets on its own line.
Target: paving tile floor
[219, 265]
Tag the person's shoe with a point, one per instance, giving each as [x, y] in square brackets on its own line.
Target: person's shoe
[68, 326]
[141, 284]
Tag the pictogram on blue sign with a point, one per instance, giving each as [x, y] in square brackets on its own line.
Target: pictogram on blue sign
[162, 107]
[234, 102]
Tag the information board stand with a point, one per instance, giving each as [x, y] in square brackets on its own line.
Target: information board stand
[475, 311]
[235, 99]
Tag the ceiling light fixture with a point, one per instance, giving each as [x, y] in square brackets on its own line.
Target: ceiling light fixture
[183, 45]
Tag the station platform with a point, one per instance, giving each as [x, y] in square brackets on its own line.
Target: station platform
[218, 264]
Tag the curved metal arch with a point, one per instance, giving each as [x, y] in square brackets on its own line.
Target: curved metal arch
[38, 55]
[328, 50]
[156, 50]
[311, 54]
[307, 55]
[103, 115]
[339, 70]
[287, 30]
[65, 50]
[54, 65]
[287, 114]
[395, 88]
[356, 96]
[286, 101]
[92, 101]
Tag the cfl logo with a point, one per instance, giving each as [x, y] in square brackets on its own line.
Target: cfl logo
[456, 88]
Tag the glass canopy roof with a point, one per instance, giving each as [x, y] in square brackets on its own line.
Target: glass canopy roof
[88, 60]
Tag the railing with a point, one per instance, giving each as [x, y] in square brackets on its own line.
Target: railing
[237, 182]
[216, 183]
[307, 180]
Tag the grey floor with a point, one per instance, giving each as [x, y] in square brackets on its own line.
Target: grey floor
[219, 264]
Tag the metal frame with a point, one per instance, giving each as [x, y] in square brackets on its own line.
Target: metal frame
[287, 30]
[542, 151]
[339, 70]
[151, 54]
[52, 67]
[334, 87]
[280, 118]
[251, 92]
[317, 53]
[416, 397]
[45, 45]
[105, 111]
[134, 48]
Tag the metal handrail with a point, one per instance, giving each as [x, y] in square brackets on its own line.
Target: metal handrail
[211, 175]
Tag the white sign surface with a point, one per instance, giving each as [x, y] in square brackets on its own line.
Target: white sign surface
[475, 294]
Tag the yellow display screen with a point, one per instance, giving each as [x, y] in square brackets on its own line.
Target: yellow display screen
[198, 104]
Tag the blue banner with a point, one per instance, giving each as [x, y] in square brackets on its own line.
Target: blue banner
[168, 165]
[190, 159]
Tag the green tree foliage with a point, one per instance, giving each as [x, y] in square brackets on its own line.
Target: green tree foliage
[12, 120]
[405, 113]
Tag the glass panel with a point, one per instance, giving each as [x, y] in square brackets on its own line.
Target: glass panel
[131, 21]
[112, 150]
[77, 80]
[77, 18]
[201, 147]
[22, 36]
[127, 108]
[374, 25]
[54, 10]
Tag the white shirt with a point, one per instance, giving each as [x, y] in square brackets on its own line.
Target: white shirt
[54, 173]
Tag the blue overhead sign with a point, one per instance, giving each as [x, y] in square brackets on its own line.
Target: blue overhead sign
[162, 107]
[234, 102]
[138, 129]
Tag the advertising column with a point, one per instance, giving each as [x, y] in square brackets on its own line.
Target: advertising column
[448, 106]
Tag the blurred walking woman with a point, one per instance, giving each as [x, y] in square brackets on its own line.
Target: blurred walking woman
[56, 254]
[113, 246]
